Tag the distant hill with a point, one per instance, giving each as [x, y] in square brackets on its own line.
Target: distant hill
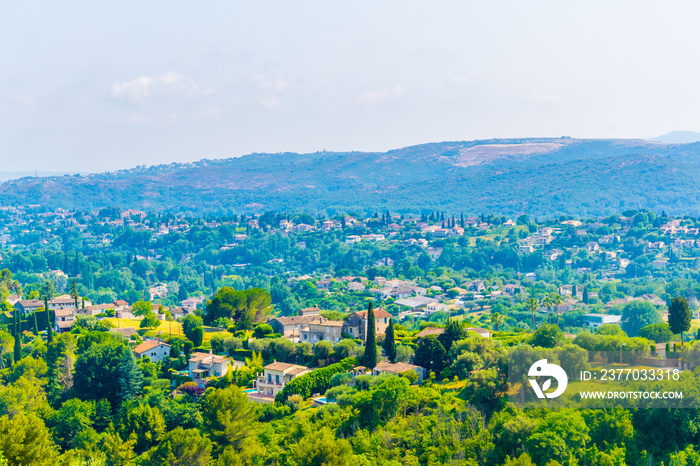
[540, 177]
[678, 137]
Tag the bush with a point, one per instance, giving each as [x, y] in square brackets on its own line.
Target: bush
[191, 388]
[410, 375]
[241, 354]
[317, 381]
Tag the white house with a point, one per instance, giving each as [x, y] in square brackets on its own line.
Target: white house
[596, 320]
[156, 350]
[273, 379]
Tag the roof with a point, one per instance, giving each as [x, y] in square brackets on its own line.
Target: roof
[430, 331]
[120, 302]
[291, 369]
[64, 312]
[127, 332]
[202, 357]
[377, 314]
[330, 323]
[295, 320]
[30, 303]
[148, 345]
[396, 368]
[62, 299]
[65, 323]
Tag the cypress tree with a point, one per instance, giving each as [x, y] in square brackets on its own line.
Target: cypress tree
[390, 343]
[49, 329]
[584, 296]
[679, 318]
[370, 358]
[36, 325]
[18, 343]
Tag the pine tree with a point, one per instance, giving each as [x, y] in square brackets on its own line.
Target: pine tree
[130, 377]
[370, 358]
[389, 342]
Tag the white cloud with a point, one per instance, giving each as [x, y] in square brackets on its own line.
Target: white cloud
[270, 103]
[145, 87]
[268, 83]
[395, 93]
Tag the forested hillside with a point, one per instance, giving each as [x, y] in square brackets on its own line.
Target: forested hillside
[545, 177]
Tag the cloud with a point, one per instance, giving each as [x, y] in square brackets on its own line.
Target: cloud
[145, 87]
[270, 103]
[395, 93]
[465, 80]
[268, 83]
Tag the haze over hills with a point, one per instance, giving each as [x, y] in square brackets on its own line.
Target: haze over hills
[678, 137]
[541, 177]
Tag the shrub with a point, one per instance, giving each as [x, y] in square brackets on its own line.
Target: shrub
[317, 381]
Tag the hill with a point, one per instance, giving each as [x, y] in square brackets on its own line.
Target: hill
[542, 177]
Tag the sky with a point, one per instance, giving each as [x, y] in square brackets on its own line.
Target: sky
[96, 86]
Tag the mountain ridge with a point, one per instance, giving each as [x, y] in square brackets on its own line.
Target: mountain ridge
[537, 176]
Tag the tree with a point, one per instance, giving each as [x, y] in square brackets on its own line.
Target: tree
[197, 336]
[322, 447]
[557, 300]
[659, 333]
[18, 338]
[245, 307]
[25, 439]
[404, 353]
[7, 342]
[74, 292]
[389, 342]
[369, 359]
[679, 317]
[637, 314]
[182, 447]
[546, 336]
[430, 354]
[150, 320]
[547, 302]
[497, 320]
[453, 332]
[141, 308]
[584, 296]
[229, 418]
[532, 305]
[106, 371]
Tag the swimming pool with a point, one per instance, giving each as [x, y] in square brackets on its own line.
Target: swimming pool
[250, 390]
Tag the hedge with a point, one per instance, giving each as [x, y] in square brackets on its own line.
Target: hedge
[316, 381]
[241, 354]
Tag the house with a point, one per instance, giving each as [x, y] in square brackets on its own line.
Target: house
[180, 312]
[596, 320]
[192, 303]
[201, 366]
[302, 228]
[356, 324]
[512, 289]
[323, 284]
[64, 319]
[155, 350]
[290, 327]
[352, 239]
[120, 304]
[484, 333]
[475, 286]
[94, 309]
[398, 368]
[436, 307]
[27, 306]
[328, 330]
[356, 286]
[126, 332]
[273, 379]
[415, 302]
[310, 311]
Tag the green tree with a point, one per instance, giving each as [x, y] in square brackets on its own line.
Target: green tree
[322, 448]
[99, 372]
[25, 440]
[182, 447]
[141, 308]
[637, 314]
[430, 354]
[245, 307]
[679, 317]
[150, 320]
[144, 422]
[547, 336]
[229, 418]
[190, 323]
[659, 333]
[369, 359]
[389, 342]
[532, 305]
[197, 336]
[453, 332]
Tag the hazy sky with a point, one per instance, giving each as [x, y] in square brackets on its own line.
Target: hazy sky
[92, 86]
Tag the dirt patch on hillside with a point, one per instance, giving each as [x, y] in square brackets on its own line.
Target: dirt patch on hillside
[489, 152]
